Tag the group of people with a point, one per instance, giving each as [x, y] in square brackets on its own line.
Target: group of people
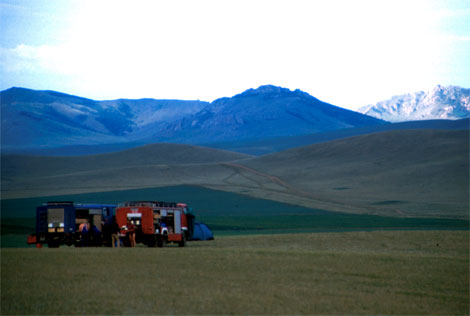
[111, 232]
[91, 236]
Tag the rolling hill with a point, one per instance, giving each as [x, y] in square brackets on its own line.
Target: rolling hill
[150, 165]
[419, 172]
[276, 144]
[394, 173]
[154, 154]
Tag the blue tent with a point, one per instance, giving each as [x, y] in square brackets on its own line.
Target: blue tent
[201, 232]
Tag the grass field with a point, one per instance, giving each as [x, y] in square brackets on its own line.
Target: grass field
[226, 213]
[400, 272]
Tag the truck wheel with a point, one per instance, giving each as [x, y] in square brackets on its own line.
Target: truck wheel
[53, 244]
[152, 241]
[161, 241]
[182, 243]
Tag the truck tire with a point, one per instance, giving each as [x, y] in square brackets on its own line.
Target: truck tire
[152, 241]
[161, 241]
[53, 244]
[182, 243]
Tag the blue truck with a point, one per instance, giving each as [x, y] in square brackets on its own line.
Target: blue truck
[61, 223]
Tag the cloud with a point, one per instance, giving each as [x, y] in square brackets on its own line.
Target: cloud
[19, 59]
[27, 58]
[63, 59]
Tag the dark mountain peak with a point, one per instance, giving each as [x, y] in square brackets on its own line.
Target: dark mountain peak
[14, 89]
[263, 97]
[266, 89]
[271, 91]
[265, 94]
[261, 91]
[268, 111]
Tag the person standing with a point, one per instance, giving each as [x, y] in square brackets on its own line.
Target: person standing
[106, 231]
[116, 242]
[131, 232]
[84, 230]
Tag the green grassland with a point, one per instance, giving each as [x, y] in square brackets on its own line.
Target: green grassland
[224, 212]
[400, 272]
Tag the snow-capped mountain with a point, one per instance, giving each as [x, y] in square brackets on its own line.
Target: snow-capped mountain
[449, 102]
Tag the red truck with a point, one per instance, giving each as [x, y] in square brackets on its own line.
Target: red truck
[156, 223]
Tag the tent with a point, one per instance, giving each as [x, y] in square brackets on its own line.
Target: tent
[201, 232]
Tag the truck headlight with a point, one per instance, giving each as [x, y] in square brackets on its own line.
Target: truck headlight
[50, 225]
[61, 225]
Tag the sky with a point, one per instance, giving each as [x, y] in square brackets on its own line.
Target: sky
[347, 53]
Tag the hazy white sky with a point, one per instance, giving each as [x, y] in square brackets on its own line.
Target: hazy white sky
[347, 53]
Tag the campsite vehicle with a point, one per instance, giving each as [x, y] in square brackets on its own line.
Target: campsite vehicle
[156, 223]
[59, 223]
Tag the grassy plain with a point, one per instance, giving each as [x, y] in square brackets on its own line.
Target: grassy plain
[226, 213]
[400, 272]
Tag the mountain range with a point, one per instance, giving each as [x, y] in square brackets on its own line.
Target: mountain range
[47, 119]
[449, 102]
[35, 119]
[257, 121]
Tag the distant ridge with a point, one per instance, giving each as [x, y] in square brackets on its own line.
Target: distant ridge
[449, 102]
[265, 112]
[154, 154]
[276, 144]
[34, 120]
[145, 166]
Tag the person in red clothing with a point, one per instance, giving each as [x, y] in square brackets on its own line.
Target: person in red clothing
[131, 232]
